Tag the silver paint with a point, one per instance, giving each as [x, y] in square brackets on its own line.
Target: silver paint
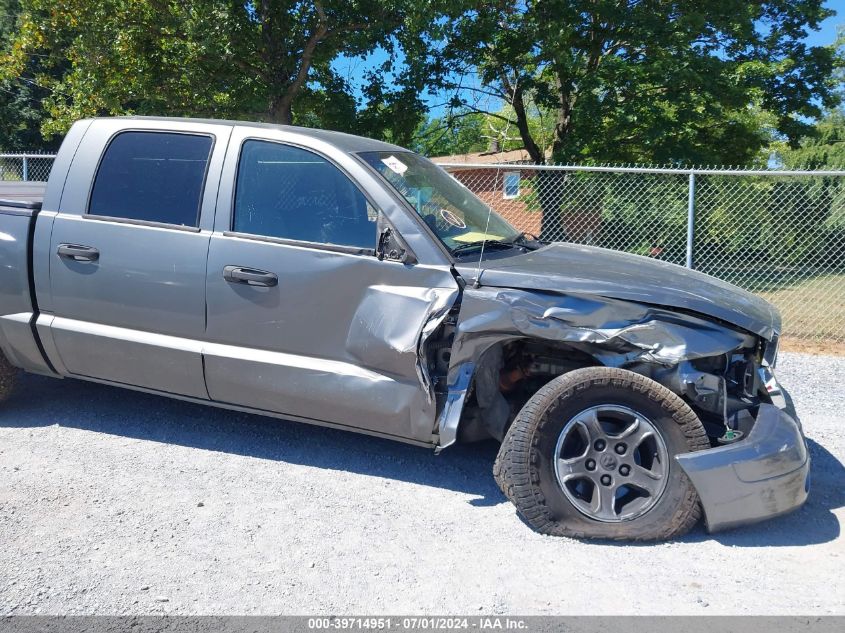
[16, 339]
[592, 271]
[338, 307]
[764, 475]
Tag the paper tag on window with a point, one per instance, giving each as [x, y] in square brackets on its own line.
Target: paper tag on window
[395, 165]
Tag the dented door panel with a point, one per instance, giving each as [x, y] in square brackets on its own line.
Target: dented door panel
[336, 340]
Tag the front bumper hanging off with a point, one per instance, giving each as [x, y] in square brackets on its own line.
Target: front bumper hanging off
[764, 475]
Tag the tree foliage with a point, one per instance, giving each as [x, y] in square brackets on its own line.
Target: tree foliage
[21, 113]
[648, 80]
[269, 60]
[591, 80]
[456, 133]
[466, 131]
[824, 148]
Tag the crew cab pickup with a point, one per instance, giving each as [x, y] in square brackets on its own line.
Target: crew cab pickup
[326, 278]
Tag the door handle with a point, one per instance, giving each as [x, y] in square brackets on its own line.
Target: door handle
[250, 276]
[78, 253]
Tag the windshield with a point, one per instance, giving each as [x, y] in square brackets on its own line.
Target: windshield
[452, 211]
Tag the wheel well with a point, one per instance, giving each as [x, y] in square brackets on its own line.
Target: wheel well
[506, 376]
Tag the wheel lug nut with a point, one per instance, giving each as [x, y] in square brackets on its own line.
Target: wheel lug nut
[620, 449]
[624, 469]
[605, 480]
[590, 464]
[600, 445]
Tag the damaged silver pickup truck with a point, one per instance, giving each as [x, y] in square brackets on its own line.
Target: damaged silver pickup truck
[336, 280]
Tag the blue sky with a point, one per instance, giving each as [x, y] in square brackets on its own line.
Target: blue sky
[353, 68]
[827, 34]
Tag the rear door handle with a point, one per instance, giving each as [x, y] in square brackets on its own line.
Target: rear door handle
[78, 253]
[249, 276]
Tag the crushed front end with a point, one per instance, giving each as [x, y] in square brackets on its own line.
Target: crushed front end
[508, 342]
[759, 466]
[765, 473]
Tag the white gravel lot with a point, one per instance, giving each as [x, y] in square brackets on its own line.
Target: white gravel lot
[113, 502]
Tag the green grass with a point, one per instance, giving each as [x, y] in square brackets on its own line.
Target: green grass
[813, 309]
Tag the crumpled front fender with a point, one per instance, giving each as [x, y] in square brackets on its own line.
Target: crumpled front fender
[616, 333]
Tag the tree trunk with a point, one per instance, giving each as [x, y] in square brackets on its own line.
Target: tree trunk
[552, 184]
[546, 183]
[280, 110]
[534, 151]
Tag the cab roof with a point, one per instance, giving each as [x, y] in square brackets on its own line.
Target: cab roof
[341, 140]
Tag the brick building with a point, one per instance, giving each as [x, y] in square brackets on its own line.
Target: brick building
[509, 186]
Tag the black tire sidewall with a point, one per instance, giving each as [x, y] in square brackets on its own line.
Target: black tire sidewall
[561, 511]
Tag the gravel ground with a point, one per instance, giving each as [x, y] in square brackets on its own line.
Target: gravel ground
[113, 502]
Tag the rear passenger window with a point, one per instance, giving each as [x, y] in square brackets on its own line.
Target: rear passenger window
[152, 176]
[294, 194]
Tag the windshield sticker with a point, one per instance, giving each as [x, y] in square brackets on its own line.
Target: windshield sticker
[395, 165]
[452, 219]
[477, 236]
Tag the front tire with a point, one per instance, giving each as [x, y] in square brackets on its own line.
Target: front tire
[591, 455]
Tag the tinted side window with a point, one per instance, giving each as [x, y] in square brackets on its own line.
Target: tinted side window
[294, 194]
[152, 176]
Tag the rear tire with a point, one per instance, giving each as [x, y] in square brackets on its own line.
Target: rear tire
[591, 455]
[8, 378]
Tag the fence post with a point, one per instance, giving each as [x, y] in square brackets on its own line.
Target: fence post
[25, 168]
[691, 220]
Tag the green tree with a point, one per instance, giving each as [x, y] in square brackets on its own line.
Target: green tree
[816, 230]
[262, 59]
[824, 148]
[540, 124]
[20, 100]
[458, 133]
[665, 81]
[657, 80]
[465, 131]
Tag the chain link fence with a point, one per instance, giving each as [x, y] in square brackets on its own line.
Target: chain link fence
[26, 167]
[780, 234]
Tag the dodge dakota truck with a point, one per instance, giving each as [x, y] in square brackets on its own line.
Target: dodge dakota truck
[325, 278]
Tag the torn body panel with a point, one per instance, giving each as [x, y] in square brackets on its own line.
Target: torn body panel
[611, 332]
[377, 338]
[334, 308]
[758, 466]
[330, 287]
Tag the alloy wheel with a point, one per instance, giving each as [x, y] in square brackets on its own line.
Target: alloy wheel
[611, 463]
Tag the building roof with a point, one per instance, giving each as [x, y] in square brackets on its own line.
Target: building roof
[514, 156]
